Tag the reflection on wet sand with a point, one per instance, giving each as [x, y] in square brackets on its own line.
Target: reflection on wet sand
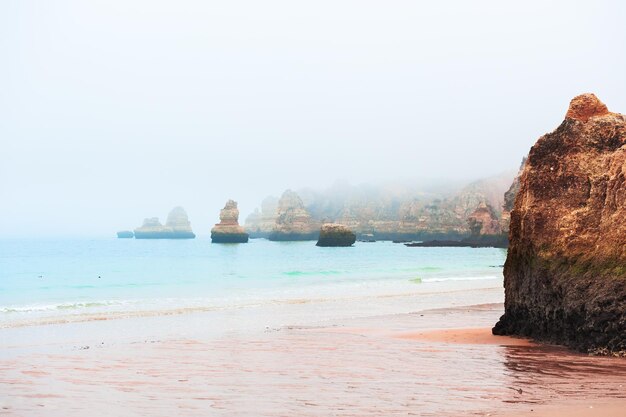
[356, 368]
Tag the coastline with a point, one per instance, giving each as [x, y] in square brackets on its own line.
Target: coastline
[439, 361]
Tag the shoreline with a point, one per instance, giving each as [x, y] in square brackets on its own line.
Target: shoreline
[441, 361]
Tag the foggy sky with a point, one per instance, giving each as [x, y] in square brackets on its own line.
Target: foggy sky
[116, 110]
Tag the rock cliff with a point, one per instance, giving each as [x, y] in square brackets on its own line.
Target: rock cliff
[395, 210]
[484, 221]
[228, 229]
[565, 273]
[293, 222]
[176, 227]
[332, 234]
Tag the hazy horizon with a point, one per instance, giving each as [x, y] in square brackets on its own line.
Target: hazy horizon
[113, 111]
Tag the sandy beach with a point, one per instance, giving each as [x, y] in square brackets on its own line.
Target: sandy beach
[441, 362]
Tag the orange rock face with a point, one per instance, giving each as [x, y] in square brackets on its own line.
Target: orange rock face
[484, 221]
[565, 273]
[584, 106]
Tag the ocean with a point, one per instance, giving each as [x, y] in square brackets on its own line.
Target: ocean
[73, 278]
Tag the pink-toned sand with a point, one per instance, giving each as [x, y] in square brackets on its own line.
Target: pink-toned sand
[380, 366]
[472, 336]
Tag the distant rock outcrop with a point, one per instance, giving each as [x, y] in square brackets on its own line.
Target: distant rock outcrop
[509, 200]
[332, 234]
[484, 221]
[565, 273]
[228, 229]
[260, 223]
[394, 211]
[293, 222]
[125, 234]
[176, 227]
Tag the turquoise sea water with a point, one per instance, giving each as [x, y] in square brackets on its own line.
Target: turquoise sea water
[47, 277]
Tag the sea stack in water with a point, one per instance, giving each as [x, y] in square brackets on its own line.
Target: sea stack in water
[293, 222]
[565, 273]
[332, 234]
[176, 227]
[228, 229]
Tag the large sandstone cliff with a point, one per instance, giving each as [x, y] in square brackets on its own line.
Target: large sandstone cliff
[565, 273]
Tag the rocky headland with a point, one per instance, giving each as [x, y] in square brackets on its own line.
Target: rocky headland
[485, 232]
[332, 234]
[565, 273]
[228, 229]
[394, 211]
[293, 221]
[177, 226]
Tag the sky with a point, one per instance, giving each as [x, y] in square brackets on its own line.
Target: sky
[116, 110]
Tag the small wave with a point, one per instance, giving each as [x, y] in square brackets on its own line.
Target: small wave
[310, 273]
[444, 279]
[62, 306]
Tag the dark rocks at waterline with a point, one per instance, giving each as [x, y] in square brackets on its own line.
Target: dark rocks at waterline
[332, 235]
[217, 237]
[416, 236]
[125, 234]
[485, 241]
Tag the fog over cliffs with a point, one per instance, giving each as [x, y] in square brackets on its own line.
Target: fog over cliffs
[115, 111]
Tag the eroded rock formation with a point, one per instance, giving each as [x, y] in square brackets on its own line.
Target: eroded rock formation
[293, 222]
[228, 229]
[394, 211]
[333, 234]
[565, 273]
[260, 223]
[176, 227]
[484, 221]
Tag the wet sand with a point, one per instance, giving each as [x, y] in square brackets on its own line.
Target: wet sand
[431, 363]
[470, 336]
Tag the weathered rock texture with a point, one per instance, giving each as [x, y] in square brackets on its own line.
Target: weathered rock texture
[565, 273]
[293, 222]
[484, 221]
[228, 229]
[176, 227]
[332, 234]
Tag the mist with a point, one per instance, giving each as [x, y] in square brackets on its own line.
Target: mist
[112, 111]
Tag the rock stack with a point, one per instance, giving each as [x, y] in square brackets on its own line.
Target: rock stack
[176, 227]
[565, 273]
[332, 234]
[293, 222]
[228, 229]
